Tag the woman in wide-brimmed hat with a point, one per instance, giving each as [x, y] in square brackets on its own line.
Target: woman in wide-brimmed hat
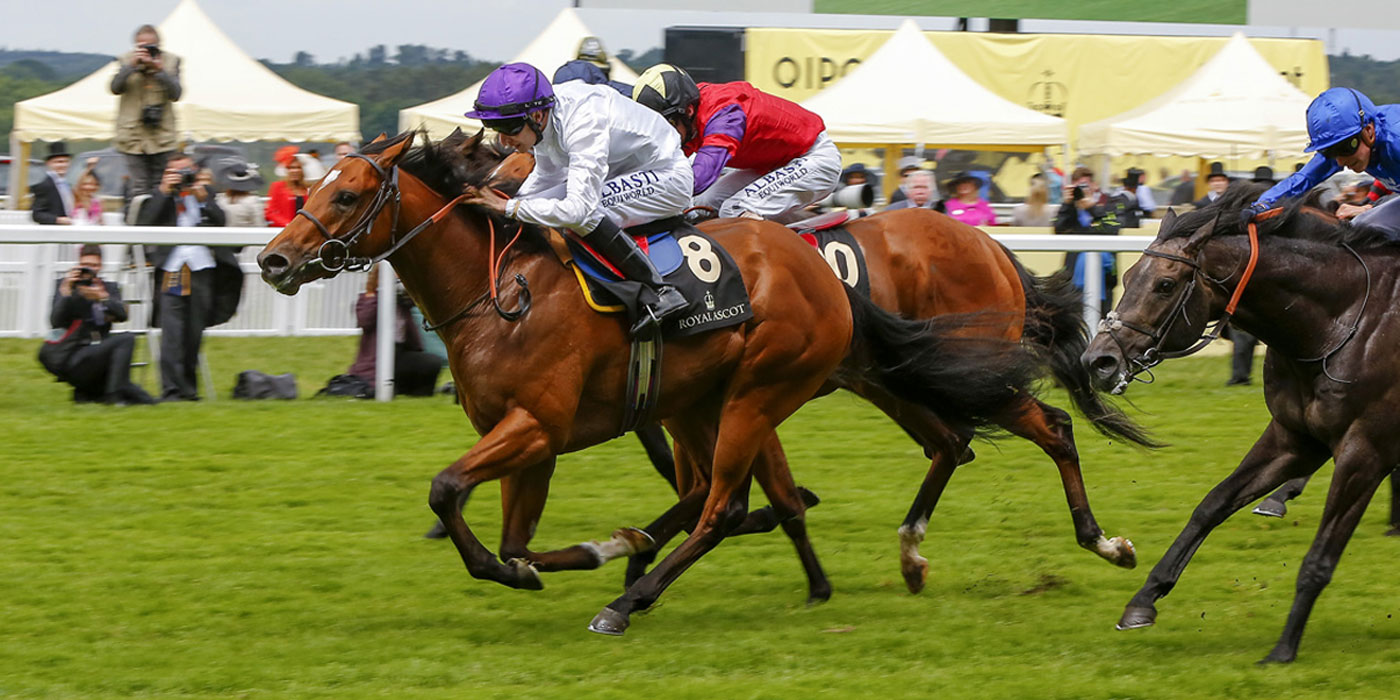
[965, 201]
[238, 181]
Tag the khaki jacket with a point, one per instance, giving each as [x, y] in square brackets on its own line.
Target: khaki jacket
[137, 89]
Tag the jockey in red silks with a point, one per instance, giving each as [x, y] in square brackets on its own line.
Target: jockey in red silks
[602, 163]
[756, 155]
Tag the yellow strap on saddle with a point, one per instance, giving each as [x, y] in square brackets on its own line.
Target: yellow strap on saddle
[561, 250]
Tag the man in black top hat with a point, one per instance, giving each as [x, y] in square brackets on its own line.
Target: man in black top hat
[1216, 184]
[53, 197]
[1264, 175]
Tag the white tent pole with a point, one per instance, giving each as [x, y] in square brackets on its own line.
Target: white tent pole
[1105, 162]
[19, 165]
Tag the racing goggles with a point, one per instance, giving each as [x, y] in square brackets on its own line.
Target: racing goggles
[1342, 148]
[509, 127]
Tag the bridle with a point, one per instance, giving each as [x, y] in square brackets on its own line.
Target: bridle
[334, 253]
[1154, 355]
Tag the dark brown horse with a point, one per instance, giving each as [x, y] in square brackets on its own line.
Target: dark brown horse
[1320, 298]
[548, 380]
[923, 265]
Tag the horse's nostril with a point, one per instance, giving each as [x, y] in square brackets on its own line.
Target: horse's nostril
[274, 264]
[1103, 365]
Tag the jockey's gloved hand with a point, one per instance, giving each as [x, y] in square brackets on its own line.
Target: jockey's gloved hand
[1248, 213]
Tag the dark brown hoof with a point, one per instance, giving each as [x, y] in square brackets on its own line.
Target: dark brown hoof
[1278, 656]
[818, 595]
[1270, 508]
[1394, 531]
[609, 622]
[809, 499]
[1134, 617]
[524, 575]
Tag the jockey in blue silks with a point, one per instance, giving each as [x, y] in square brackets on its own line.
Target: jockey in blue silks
[1348, 131]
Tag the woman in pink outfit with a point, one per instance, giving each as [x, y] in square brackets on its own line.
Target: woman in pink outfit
[965, 203]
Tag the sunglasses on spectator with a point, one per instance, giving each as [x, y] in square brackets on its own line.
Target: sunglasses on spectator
[509, 127]
[1344, 148]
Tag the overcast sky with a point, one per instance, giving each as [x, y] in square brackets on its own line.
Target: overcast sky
[492, 29]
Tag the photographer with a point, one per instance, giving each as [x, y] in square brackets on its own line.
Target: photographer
[148, 84]
[196, 286]
[86, 305]
[1086, 210]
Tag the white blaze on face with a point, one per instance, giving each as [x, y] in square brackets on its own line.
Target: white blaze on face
[328, 179]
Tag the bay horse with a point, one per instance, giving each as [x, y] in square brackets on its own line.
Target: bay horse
[1331, 379]
[922, 264]
[540, 374]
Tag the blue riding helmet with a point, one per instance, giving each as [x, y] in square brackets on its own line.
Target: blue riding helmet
[1336, 115]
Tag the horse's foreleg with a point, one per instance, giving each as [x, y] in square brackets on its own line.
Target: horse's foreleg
[516, 443]
[1353, 483]
[771, 471]
[523, 496]
[1051, 429]
[1278, 455]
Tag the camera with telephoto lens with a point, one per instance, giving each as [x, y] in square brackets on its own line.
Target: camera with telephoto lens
[86, 276]
[151, 115]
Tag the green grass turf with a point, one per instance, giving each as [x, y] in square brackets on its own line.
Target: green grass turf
[272, 550]
[1195, 11]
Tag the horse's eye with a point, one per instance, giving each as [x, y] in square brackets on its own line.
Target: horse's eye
[346, 198]
[1165, 285]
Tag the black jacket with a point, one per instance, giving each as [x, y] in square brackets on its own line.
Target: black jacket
[161, 210]
[67, 309]
[48, 203]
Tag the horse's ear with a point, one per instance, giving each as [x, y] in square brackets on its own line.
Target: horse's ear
[379, 138]
[471, 144]
[1165, 228]
[391, 155]
[1199, 238]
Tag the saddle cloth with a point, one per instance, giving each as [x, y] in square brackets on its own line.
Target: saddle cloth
[838, 247]
[687, 259]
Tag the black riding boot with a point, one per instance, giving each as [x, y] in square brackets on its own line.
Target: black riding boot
[620, 250]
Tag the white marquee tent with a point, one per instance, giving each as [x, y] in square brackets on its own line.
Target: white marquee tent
[228, 96]
[555, 46]
[1236, 105]
[908, 92]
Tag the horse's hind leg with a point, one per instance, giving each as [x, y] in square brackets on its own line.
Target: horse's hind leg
[658, 447]
[1278, 455]
[1275, 504]
[773, 475]
[1394, 530]
[1353, 484]
[1050, 429]
[523, 497]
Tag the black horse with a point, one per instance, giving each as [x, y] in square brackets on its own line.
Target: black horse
[1320, 297]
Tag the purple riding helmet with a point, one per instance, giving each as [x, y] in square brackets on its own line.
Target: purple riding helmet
[509, 94]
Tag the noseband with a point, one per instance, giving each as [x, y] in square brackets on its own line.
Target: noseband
[1154, 355]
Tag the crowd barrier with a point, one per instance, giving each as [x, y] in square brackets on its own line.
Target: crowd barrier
[34, 257]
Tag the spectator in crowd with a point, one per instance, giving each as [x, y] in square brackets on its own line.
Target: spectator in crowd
[854, 174]
[965, 202]
[342, 149]
[1216, 184]
[415, 371]
[87, 305]
[1138, 200]
[87, 205]
[287, 195]
[918, 185]
[148, 85]
[238, 182]
[907, 165]
[1036, 210]
[53, 196]
[1185, 190]
[1087, 211]
[190, 294]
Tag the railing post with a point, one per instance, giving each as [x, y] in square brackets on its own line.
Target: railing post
[384, 344]
[1093, 288]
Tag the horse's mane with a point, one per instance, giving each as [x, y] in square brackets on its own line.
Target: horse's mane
[1302, 219]
[447, 166]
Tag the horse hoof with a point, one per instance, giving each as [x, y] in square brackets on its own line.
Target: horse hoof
[1134, 618]
[1270, 508]
[1127, 555]
[609, 622]
[1393, 531]
[915, 572]
[525, 575]
[635, 540]
[1278, 656]
[809, 499]
[818, 595]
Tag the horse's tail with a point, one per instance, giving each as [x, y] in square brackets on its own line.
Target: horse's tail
[967, 379]
[1055, 323]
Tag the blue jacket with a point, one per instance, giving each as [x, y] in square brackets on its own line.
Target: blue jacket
[591, 74]
[1385, 162]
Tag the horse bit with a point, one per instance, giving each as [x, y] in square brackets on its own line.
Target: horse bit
[334, 254]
